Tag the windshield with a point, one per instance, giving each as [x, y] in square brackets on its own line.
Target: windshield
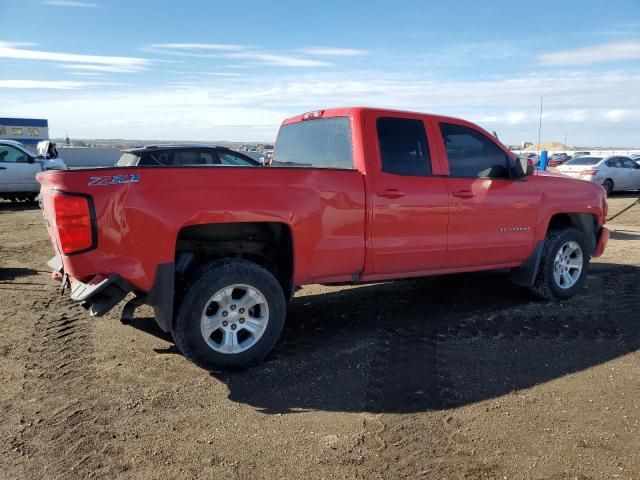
[127, 160]
[321, 143]
[584, 161]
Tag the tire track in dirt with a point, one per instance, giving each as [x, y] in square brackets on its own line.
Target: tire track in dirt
[413, 371]
[64, 426]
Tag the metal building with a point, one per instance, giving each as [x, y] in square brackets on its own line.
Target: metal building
[28, 131]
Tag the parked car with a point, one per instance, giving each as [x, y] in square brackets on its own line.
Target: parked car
[613, 173]
[19, 167]
[354, 195]
[581, 154]
[183, 155]
[558, 159]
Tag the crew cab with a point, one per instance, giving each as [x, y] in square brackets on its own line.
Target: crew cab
[352, 195]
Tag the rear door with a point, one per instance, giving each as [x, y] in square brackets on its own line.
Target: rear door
[17, 170]
[409, 202]
[492, 217]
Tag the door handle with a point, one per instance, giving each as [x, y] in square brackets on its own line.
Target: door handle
[390, 193]
[463, 194]
[3, 168]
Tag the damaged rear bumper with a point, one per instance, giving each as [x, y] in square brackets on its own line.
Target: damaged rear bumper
[99, 295]
[103, 292]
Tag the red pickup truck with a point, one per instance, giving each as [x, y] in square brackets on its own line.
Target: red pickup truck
[352, 195]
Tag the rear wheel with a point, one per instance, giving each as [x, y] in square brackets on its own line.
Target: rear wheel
[231, 316]
[563, 266]
[608, 186]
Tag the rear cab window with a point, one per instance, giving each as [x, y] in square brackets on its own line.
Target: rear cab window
[315, 143]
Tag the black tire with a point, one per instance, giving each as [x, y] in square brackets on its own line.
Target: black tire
[210, 279]
[608, 186]
[545, 285]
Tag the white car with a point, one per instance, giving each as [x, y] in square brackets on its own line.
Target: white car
[19, 167]
[613, 173]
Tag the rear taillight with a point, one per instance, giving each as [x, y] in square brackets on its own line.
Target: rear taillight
[590, 171]
[75, 222]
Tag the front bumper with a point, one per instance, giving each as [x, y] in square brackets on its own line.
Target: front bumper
[99, 295]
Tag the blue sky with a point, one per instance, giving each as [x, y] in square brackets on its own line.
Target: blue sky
[233, 70]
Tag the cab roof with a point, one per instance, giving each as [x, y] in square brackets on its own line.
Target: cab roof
[354, 111]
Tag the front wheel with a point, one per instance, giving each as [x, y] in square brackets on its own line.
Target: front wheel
[563, 266]
[231, 316]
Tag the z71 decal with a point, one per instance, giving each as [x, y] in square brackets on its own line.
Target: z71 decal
[113, 179]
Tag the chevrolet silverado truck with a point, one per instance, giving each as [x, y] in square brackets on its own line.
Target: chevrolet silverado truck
[352, 195]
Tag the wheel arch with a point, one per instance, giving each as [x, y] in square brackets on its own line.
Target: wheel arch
[585, 222]
[268, 244]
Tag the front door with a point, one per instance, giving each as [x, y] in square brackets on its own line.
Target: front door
[409, 203]
[17, 170]
[492, 217]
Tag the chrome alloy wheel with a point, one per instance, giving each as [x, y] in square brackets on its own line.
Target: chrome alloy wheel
[568, 265]
[234, 319]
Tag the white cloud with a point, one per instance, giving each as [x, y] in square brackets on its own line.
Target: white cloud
[12, 50]
[615, 115]
[44, 84]
[222, 74]
[608, 52]
[588, 105]
[88, 74]
[70, 3]
[279, 60]
[199, 46]
[102, 68]
[230, 51]
[334, 52]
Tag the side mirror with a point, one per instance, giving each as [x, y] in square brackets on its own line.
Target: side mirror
[523, 167]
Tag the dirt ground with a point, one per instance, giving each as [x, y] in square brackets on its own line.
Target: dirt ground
[458, 377]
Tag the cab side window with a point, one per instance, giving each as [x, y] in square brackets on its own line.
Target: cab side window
[10, 154]
[473, 155]
[403, 146]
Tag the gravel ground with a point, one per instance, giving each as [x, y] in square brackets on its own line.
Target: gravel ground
[457, 377]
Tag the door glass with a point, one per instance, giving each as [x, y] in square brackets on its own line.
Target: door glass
[12, 155]
[473, 155]
[403, 146]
